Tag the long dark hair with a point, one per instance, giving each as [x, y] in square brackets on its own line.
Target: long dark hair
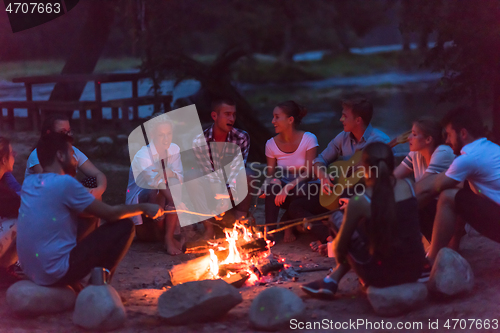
[4, 148]
[381, 225]
[293, 109]
[48, 125]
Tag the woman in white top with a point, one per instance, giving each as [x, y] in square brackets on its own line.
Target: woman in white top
[293, 151]
[96, 181]
[427, 158]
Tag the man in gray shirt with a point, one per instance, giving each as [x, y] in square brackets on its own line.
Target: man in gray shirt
[357, 133]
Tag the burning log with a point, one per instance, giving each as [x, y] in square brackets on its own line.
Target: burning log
[237, 280]
[226, 268]
[269, 265]
[192, 270]
[257, 245]
[202, 246]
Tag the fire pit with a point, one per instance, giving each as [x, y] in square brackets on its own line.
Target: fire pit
[241, 258]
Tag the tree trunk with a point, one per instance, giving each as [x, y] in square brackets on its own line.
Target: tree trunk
[287, 51]
[88, 47]
[496, 109]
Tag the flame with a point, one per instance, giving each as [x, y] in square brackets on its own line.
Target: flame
[234, 254]
[214, 264]
[238, 234]
[253, 279]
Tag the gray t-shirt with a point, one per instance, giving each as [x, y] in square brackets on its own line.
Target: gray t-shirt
[47, 224]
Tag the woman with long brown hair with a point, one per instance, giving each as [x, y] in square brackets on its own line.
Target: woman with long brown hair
[427, 158]
[379, 237]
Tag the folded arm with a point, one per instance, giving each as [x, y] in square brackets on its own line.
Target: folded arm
[90, 170]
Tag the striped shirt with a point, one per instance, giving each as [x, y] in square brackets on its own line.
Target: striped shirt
[441, 159]
[213, 157]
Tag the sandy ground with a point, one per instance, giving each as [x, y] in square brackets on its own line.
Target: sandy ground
[143, 276]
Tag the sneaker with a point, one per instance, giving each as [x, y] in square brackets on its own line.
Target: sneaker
[320, 289]
[426, 272]
[16, 271]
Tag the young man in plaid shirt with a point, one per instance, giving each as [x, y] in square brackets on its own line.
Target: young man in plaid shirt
[222, 160]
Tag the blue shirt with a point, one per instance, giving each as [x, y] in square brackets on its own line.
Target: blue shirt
[10, 181]
[47, 224]
[345, 145]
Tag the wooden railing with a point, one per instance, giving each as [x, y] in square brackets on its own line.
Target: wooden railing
[37, 108]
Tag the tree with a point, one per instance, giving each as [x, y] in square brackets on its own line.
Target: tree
[87, 49]
[470, 58]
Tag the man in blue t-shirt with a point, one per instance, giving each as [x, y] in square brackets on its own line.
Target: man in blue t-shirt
[47, 226]
[478, 166]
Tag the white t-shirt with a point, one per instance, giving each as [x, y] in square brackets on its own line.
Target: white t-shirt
[295, 160]
[33, 160]
[479, 163]
[441, 159]
[142, 176]
[47, 224]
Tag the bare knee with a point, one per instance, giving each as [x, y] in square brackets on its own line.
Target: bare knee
[447, 198]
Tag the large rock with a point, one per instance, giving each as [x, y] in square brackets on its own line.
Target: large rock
[104, 140]
[99, 308]
[273, 309]
[451, 274]
[198, 301]
[396, 300]
[122, 138]
[27, 299]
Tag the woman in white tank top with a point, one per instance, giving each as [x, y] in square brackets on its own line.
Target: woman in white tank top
[292, 151]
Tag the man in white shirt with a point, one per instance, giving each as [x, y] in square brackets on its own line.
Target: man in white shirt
[47, 244]
[478, 203]
[147, 184]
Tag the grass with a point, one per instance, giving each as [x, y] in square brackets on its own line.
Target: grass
[341, 65]
[258, 70]
[12, 69]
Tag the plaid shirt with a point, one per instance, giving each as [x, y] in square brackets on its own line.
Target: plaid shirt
[212, 164]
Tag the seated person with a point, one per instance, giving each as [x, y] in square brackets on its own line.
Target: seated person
[358, 132]
[9, 187]
[478, 165]
[147, 184]
[427, 158]
[60, 124]
[47, 226]
[379, 237]
[220, 143]
[9, 204]
[292, 150]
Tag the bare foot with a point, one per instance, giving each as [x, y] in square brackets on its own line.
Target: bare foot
[172, 248]
[289, 236]
[314, 245]
[323, 250]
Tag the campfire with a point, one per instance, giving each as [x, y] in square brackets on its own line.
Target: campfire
[241, 258]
